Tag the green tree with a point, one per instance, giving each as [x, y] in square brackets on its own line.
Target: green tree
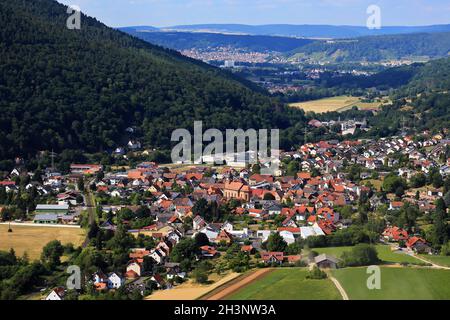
[276, 243]
[51, 253]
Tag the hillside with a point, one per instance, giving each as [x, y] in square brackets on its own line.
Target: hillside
[200, 40]
[377, 48]
[310, 31]
[80, 89]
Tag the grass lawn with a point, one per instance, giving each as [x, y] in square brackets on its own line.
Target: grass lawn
[33, 239]
[384, 253]
[439, 260]
[397, 284]
[288, 284]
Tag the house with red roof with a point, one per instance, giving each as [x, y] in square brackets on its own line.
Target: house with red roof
[418, 245]
[395, 234]
[272, 257]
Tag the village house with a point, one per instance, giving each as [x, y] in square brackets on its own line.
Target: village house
[56, 294]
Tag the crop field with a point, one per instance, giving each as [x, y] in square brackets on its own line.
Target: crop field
[287, 284]
[339, 104]
[396, 284]
[33, 239]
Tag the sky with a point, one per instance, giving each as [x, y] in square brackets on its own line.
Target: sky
[163, 13]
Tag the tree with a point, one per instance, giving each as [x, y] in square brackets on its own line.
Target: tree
[361, 255]
[185, 249]
[200, 276]
[447, 199]
[418, 181]
[269, 196]
[276, 243]
[393, 183]
[51, 253]
[201, 239]
[292, 168]
[440, 227]
[80, 184]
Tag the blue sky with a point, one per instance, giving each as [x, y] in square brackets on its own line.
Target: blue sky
[160, 13]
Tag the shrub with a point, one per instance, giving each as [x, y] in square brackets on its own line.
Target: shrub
[316, 274]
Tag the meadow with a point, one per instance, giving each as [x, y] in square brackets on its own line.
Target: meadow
[439, 260]
[32, 239]
[287, 284]
[396, 284]
[384, 253]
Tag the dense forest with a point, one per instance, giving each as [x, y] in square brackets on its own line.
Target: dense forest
[202, 40]
[377, 48]
[80, 89]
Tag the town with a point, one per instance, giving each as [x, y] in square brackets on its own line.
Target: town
[151, 228]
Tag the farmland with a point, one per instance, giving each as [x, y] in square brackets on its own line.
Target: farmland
[287, 284]
[339, 104]
[33, 239]
[396, 284]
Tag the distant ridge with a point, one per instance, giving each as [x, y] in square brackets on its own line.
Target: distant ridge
[309, 31]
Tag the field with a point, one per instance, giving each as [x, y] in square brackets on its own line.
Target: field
[340, 104]
[397, 284]
[33, 239]
[190, 290]
[439, 260]
[384, 253]
[287, 284]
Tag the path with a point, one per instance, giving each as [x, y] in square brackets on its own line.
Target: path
[340, 288]
[221, 293]
[434, 265]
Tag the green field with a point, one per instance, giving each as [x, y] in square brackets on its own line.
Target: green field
[439, 260]
[384, 253]
[288, 284]
[397, 284]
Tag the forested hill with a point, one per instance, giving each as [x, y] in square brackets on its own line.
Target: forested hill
[204, 40]
[80, 89]
[377, 48]
[432, 77]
